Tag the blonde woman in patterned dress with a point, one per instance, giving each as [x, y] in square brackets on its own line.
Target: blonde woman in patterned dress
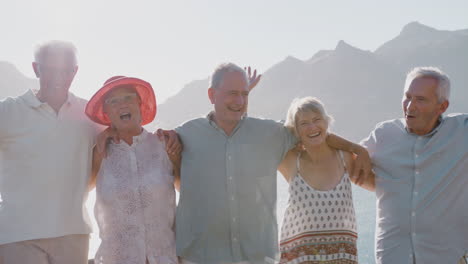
[135, 197]
[319, 225]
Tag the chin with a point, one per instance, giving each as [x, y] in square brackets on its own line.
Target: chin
[125, 127]
[315, 142]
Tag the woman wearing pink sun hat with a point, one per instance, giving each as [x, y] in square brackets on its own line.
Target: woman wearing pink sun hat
[135, 197]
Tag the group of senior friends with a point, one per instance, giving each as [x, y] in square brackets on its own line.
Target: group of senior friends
[52, 154]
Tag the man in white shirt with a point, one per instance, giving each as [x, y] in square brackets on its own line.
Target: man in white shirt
[45, 161]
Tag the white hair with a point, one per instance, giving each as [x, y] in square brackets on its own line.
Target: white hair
[55, 47]
[443, 81]
[305, 104]
[218, 74]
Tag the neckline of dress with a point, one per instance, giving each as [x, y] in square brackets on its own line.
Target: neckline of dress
[345, 174]
[323, 191]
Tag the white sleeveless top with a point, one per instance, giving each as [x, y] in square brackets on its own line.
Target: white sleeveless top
[319, 225]
[135, 204]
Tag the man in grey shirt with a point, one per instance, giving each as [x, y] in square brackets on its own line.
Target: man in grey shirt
[227, 205]
[421, 167]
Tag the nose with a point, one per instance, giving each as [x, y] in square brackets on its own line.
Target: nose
[312, 125]
[410, 105]
[58, 77]
[239, 100]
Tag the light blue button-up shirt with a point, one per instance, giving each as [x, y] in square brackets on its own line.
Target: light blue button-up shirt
[421, 188]
[227, 205]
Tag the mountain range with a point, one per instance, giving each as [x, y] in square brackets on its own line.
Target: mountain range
[12, 81]
[359, 88]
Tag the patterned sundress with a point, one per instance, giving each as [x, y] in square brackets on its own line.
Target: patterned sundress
[319, 227]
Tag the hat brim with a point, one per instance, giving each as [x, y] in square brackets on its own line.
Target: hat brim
[95, 107]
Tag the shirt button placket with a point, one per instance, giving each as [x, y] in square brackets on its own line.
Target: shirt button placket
[137, 180]
[415, 194]
[231, 187]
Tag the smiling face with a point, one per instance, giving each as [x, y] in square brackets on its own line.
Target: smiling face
[421, 105]
[311, 128]
[122, 106]
[230, 99]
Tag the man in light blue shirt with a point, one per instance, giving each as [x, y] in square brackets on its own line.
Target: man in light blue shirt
[421, 167]
[227, 205]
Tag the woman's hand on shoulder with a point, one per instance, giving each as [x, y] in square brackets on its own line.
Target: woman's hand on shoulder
[173, 143]
[364, 181]
[104, 138]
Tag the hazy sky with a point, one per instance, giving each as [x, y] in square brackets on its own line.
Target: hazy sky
[170, 43]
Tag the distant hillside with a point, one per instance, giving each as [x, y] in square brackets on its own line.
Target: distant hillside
[13, 82]
[418, 45]
[359, 88]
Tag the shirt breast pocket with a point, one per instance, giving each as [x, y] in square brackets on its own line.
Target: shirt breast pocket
[253, 161]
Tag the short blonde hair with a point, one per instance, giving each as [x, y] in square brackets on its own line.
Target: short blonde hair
[305, 104]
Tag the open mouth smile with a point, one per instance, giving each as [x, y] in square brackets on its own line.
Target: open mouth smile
[234, 110]
[314, 135]
[125, 116]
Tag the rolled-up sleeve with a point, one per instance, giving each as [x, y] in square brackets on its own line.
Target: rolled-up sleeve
[370, 143]
[5, 116]
[288, 138]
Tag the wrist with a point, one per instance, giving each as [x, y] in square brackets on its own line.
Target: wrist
[357, 149]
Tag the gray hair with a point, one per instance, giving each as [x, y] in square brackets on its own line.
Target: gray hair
[305, 104]
[218, 74]
[443, 81]
[55, 47]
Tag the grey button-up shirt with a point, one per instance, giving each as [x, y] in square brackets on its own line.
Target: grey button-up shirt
[421, 188]
[227, 205]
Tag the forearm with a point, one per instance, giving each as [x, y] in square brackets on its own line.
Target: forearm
[96, 165]
[176, 161]
[176, 172]
[338, 142]
[92, 182]
[177, 179]
[368, 183]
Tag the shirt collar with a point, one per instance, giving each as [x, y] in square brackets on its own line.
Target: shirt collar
[430, 134]
[210, 118]
[138, 139]
[31, 99]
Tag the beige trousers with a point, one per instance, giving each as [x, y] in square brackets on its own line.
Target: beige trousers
[71, 249]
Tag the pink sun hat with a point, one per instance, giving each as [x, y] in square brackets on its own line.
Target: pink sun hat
[95, 107]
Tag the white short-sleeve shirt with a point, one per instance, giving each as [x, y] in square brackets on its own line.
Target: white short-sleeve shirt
[45, 162]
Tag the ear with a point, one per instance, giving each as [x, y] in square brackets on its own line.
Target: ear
[211, 93]
[443, 106]
[35, 66]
